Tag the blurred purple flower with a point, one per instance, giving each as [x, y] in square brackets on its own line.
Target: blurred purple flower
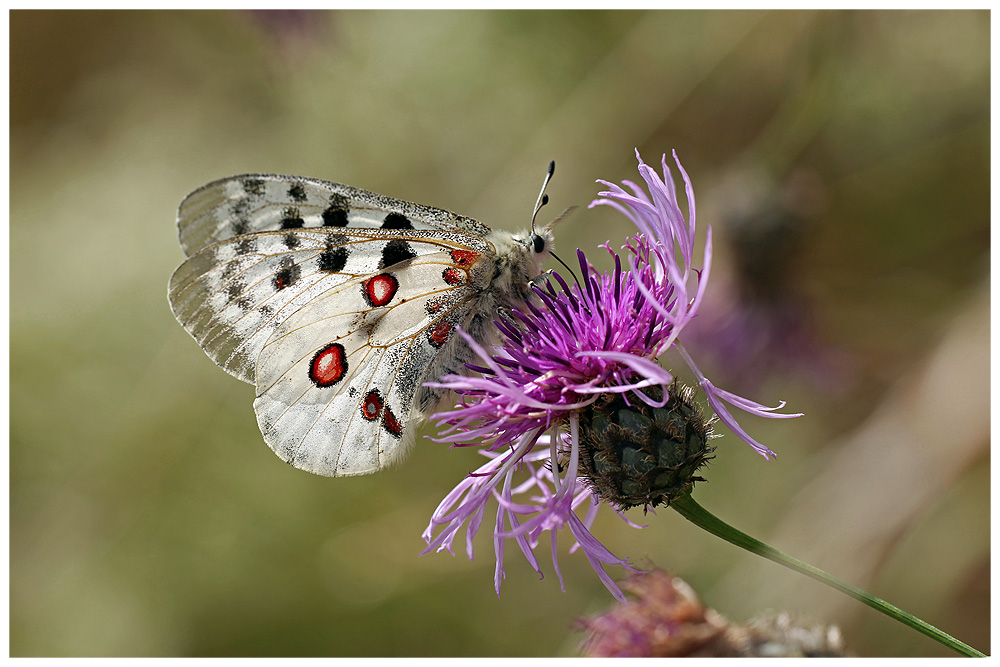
[663, 618]
[758, 322]
[293, 29]
[580, 345]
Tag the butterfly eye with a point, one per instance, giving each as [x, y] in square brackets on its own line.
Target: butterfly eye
[538, 242]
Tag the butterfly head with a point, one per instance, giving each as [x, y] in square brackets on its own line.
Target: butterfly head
[539, 243]
[531, 248]
[519, 260]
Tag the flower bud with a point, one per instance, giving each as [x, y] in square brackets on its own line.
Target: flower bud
[632, 454]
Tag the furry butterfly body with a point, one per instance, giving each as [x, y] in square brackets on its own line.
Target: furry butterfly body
[338, 304]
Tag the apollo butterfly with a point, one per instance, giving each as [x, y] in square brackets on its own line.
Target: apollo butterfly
[338, 304]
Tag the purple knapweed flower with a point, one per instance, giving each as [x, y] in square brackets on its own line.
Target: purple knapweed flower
[577, 377]
[664, 618]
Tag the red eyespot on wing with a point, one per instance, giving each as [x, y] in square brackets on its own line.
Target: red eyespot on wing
[453, 276]
[439, 334]
[464, 257]
[328, 366]
[391, 425]
[379, 290]
[372, 405]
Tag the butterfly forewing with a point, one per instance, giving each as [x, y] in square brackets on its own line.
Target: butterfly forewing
[251, 203]
[231, 296]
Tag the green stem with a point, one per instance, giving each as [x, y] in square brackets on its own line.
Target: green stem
[702, 518]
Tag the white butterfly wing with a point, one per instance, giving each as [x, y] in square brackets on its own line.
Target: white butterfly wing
[336, 381]
[251, 203]
[338, 303]
[230, 296]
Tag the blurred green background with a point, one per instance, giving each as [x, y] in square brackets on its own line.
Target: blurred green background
[841, 157]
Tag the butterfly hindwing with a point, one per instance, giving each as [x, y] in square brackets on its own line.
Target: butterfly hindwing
[336, 382]
[251, 203]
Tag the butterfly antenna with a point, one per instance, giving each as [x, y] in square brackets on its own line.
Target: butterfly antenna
[559, 218]
[543, 198]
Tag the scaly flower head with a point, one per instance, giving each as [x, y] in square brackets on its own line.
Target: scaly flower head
[574, 404]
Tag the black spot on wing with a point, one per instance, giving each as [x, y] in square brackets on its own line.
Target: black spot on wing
[335, 217]
[297, 192]
[290, 218]
[238, 213]
[391, 424]
[290, 241]
[394, 252]
[240, 226]
[333, 259]
[253, 186]
[246, 246]
[289, 273]
[336, 214]
[236, 288]
[397, 221]
[228, 270]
